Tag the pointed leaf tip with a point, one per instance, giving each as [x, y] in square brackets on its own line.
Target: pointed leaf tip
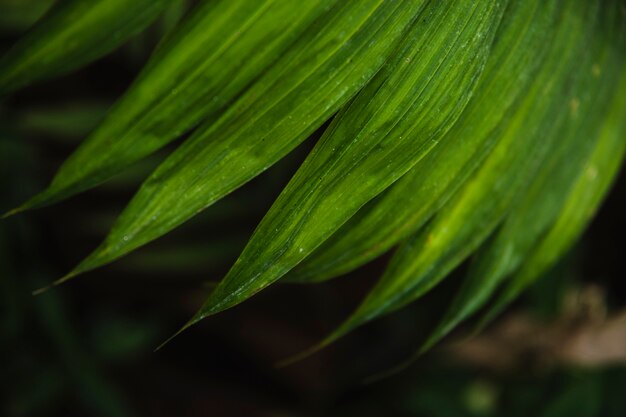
[382, 375]
[41, 290]
[12, 212]
[305, 354]
[216, 54]
[187, 325]
[8, 214]
[371, 143]
[223, 154]
[58, 282]
[338, 333]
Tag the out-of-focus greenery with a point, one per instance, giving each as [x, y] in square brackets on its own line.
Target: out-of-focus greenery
[17, 15]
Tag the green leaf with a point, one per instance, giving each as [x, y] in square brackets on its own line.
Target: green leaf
[589, 134]
[409, 203]
[196, 72]
[487, 127]
[371, 143]
[323, 70]
[72, 34]
[592, 184]
[480, 205]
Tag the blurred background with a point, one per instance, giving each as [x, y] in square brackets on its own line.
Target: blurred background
[86, 348]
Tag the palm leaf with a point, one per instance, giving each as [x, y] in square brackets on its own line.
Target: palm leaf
[592, 183]
[590, 133]
[518, 50]
[489, 127]
[197, 71]
[370, 144]
[304, 88]
[531, 135]
[72, 34]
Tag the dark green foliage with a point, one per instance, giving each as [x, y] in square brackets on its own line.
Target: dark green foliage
[488, 127]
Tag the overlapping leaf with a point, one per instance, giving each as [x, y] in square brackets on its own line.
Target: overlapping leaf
[74, 33]
[477, 208]
[590, 132]
[592, 184]
[323, 70]
[515, 158]
[200, 68]
[518, 50]
[580, 207]
[374, 141]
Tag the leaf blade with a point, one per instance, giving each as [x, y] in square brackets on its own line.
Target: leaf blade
[468, 219]
[72, 34]
[424, 189]
[584, 139]
[369, 145]
[249, 137]
[582, 203]
[208, 60]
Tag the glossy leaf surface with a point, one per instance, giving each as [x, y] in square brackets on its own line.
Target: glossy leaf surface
[589, 142]
[487, 128]
[370, 144]
[199, 69]
[300, 92]
[518, 50]
[531, 135]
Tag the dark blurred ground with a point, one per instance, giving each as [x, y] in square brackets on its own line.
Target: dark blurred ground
[86, 348]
